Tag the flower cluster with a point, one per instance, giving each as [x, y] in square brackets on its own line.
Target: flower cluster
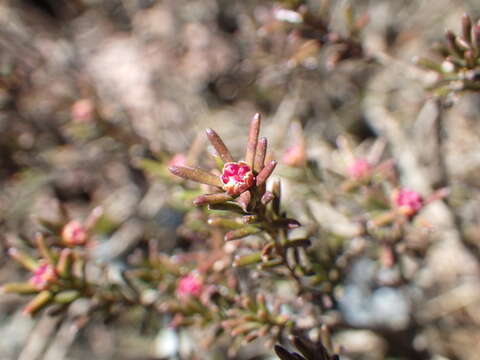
[57, 274]
[242, 182]
[407, 201]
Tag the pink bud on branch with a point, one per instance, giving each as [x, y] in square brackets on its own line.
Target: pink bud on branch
[359, 169]
[189, 285]
[295, 156]
[43, 276]
[407, 201]
[74, 233]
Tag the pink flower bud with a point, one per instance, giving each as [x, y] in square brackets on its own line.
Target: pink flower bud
[43, 276]
[178, 160]
[295, 156]
[189, 285]
[83, 111]
[359, 169]
[74, 233]
[409, 202]
[237, 177]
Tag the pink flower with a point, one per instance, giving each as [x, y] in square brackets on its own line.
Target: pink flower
[409, 202]
[178, 160]
[43, 276]
[237, 177]
[359, 169]
[74, 233]
[83, 111]
[295, 156]
[189, 285]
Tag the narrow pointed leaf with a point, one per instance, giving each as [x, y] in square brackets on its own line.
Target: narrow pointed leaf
[249, 259]
[93, 218]
[244, 328]
[260, 154]
[291, 257]
[211, 199]
[270, 263]
[44, 250]
[251, 337]
[228, 206]
[219, 146]
[244, 200]
[267, 197]
[283, 354]
[196, 174]
[38, 302]
[467, 28]
[265, 173]
[277, 192]
[225, 223]
[241, 233]
[476, 36]
[66, 297]
[19, 288]
[304, 260]
[252, 140]
[452, 44]
[305, 348]
[64, 265]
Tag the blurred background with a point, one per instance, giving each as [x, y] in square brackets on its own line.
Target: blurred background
[87, 88]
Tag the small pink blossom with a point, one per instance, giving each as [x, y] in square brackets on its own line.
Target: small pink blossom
[43, 276]
[409, 202]
[83, 111]
[189, 285]
[295, 156]
[178, 160]
[237, 177]
[74, 233]
[359, 169]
